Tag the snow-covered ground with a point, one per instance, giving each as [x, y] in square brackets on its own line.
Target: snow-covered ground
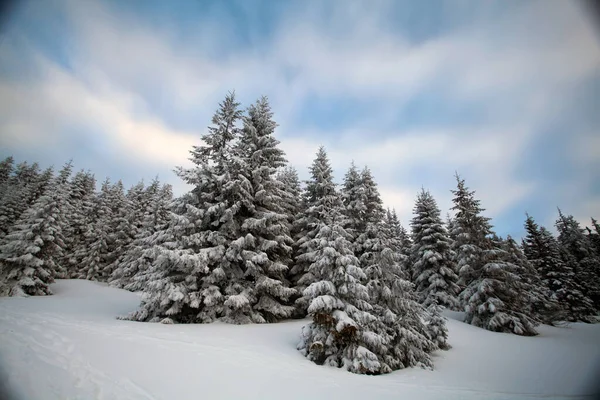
[70, 346]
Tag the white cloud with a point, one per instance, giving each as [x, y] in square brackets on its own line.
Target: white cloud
[513, 66]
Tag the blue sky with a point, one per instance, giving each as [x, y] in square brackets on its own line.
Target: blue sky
[504, 92]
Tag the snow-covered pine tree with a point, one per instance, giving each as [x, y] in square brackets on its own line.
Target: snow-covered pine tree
[431, 257]
[580, 256]
[469, 232]
[543, 251]
[79, 218]
[6, 170]
[339, 302]
[363, 333]
[123, 224]
[97, 236]
[354, 199]
[540, 304]
[319, 194]
[288, 176]
[155, 206]
[496, 298]
[399, 317]
[594, 236]
[191, 279]
[493, 294]
[263, 244]
[436, 327]
[29, 250]
[23, 188]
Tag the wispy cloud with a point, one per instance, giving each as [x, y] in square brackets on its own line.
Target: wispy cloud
[143, 93]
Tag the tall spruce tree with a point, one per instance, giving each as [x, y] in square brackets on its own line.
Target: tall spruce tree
[538, 302]
[154, 206]
[263, 244]
[494, 296]
[319, 196]
[594, 236]
[191, 278]
[431, 257]
[543, 251]
[469, 232]
[580, 256]
[98, 236]
[28, 252]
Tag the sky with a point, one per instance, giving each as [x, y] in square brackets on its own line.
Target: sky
[504, 92]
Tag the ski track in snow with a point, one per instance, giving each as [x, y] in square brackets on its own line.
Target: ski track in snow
[54, 355]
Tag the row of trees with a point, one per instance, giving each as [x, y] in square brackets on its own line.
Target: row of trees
[250, 244]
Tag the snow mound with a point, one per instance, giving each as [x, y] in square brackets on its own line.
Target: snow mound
[70, 345]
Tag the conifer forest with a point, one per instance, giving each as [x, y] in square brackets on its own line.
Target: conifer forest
[250, 243]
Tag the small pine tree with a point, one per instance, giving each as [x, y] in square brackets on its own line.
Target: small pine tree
[436, 327]
[543, 251]
[431, 258]
[319, 197]
[28, 252]
[580, 256]
[495, 299]
[339, 333]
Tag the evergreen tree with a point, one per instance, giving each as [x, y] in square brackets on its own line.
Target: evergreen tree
[202, 271]
[6, 169]
[539, 303]
[594, 236]
[23, 188]
[29, 250]
[292, 192]
[354, 199]
[319, 197]
[370, 329]
[543, 251]
[122, 225]
[496, 298]
[97, 236]
[399, 242]
[80, 220]
[431, 258]
[493, 295]
[580, 256]
[469, 232]
[436, 327]
[155, 206]
[264, 243]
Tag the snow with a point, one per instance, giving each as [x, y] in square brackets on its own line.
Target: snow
[71, 346]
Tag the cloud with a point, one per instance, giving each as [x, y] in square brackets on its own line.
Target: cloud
[144, 92]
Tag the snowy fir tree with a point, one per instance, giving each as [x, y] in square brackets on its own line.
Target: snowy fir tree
[544, 252]
[22, 189]
[28, 251]
[264, 243]
[469, 231]
[496, 299]
[594, 236]
[292, 193]
[354, 199]
[538, 302]
[6, 170]
[431, 257]
[436, 327]
[190, 278]
[580, 256]
[493, 296]
[98, 236]
[152, 209]
[77, 211]
[320, 196]
[230, 243]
